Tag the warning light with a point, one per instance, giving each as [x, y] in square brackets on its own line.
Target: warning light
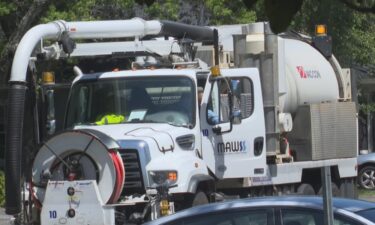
[320, 30]
[48, 77]
[322, 41]
[215, 71]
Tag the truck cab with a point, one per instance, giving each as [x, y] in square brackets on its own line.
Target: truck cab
[161, 127]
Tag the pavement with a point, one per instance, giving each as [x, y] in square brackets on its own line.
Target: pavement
[368, 198]
[4, 219]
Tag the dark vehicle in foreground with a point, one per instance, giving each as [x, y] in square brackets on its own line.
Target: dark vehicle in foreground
[366, 171]
[291, 210]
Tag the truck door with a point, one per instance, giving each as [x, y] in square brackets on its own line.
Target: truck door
[232, 124]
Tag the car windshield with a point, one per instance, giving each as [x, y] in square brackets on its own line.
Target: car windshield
[368, 214]
[132, 100]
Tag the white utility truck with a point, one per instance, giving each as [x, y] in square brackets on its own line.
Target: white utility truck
[167, 132]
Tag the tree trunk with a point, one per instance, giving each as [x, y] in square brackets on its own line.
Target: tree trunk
[32, 16]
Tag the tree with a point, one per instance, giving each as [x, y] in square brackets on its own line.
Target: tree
[11, 18]
[281, 12]
[352, 31]
[362, 6]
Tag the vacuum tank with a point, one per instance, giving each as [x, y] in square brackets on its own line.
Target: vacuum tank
[305, 75]
[310, 78]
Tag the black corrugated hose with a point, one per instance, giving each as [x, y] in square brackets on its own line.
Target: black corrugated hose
[180, 30]
[13, 143]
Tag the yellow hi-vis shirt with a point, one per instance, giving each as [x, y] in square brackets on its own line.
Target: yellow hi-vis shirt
[110, 119]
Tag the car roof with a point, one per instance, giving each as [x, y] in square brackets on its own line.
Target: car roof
[313, 202]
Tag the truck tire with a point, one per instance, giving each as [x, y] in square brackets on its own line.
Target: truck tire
[191, 200]
[200, 198]
[335, 190]
[305, 189]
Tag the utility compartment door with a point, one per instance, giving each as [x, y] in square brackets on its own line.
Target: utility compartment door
[232, 124]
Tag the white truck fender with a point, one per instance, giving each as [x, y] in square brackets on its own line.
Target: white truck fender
[196, 179]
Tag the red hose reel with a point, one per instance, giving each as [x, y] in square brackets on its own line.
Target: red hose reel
[120, 176]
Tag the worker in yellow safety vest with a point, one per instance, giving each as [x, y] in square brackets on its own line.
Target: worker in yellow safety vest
[110, 119]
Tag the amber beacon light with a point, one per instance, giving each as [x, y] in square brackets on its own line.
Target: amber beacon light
[320, 30]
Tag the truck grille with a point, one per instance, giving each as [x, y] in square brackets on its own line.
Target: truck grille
[133, 172]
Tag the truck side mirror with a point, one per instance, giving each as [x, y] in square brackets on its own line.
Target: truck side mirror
[216, 129]
[220, 106]
[226, 126]
[222, 128]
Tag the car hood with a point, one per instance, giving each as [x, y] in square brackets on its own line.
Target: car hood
[362, 159]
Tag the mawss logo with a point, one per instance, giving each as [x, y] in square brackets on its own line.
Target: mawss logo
[308, 74]
[231, 147]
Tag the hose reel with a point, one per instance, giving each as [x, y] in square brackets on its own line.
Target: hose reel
[80, 155]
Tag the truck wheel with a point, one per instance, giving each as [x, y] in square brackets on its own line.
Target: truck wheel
[335, 190]
[305, 189]
[200, 198]
[191, 200]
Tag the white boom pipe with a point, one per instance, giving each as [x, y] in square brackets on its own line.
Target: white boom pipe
[114, 28]
[83, 30]
[27, 45]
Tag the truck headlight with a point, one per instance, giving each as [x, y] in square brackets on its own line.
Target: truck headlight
[160, 177]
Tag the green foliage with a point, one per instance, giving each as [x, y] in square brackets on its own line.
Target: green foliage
[167, 10]
[367, 108]
[366, 6]
[70, 11]
[365, 194]
[213, 12]
[84, 10]
[229, 12]
[2, 188]
[353, 33]
[6, 7]
[113, 9]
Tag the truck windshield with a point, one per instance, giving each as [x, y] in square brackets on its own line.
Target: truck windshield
[132, 100]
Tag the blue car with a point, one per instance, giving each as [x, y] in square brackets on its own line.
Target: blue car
[289, 210]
